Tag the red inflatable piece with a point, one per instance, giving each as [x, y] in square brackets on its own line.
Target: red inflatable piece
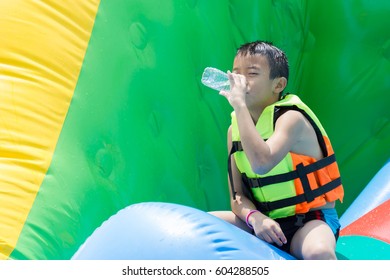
[375, 223]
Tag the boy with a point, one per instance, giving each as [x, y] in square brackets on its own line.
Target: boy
[284, 179]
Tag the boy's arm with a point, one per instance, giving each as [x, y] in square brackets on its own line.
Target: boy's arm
[262, 155]
[264, 227]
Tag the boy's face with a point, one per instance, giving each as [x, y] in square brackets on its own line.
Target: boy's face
[260, 89]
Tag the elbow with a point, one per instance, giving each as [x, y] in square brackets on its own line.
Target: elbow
[261, 163]
[261, 168]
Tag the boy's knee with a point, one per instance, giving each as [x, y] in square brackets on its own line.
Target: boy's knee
[320, 251]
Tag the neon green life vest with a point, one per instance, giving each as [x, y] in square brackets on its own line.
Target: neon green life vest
[292, 186]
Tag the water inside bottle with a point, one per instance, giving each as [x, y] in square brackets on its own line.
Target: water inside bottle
[215, 79]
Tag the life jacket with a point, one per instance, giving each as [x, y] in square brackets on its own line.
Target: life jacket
[296, 184]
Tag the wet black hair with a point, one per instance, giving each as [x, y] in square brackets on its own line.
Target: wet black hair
[277, 59]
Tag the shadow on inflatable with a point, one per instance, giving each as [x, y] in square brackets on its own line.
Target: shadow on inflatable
[166, 231]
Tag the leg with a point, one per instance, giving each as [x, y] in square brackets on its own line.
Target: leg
[230, 217]
[314, 241]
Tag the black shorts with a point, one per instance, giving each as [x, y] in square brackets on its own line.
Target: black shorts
[290, 225]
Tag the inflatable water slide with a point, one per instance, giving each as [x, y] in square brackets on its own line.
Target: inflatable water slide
[107, 134]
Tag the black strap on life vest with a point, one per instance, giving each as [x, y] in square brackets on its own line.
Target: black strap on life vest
[236, 146]
[301, 172]
[272, 205]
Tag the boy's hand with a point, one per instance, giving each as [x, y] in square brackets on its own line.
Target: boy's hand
[267, 229]
[238, 90]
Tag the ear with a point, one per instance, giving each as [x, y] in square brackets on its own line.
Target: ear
[279, 84]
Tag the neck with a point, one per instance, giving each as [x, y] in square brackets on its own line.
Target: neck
[255, 114]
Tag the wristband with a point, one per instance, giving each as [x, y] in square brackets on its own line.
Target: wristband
[247, 217]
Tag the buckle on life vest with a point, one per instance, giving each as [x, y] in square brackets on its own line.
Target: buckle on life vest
[300, 218]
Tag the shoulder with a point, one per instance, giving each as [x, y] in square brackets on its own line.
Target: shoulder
[291, 120]
[294, 126]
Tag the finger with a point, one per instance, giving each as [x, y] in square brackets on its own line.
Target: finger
[280, 234]
[265, 237]
[276, 240]
[268, 237]
[279, 239]
[237, 79]
[282, 237]
[240, 80]
[273, 238]
[243, 80]
[231, 78]
[224, 93]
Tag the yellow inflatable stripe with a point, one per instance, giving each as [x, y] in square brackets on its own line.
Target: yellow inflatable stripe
[42, 48]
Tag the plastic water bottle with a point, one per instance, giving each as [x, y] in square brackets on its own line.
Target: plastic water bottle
[215, 79]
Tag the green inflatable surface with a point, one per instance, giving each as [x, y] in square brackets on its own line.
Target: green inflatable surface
[357, 247]
[141, 126]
